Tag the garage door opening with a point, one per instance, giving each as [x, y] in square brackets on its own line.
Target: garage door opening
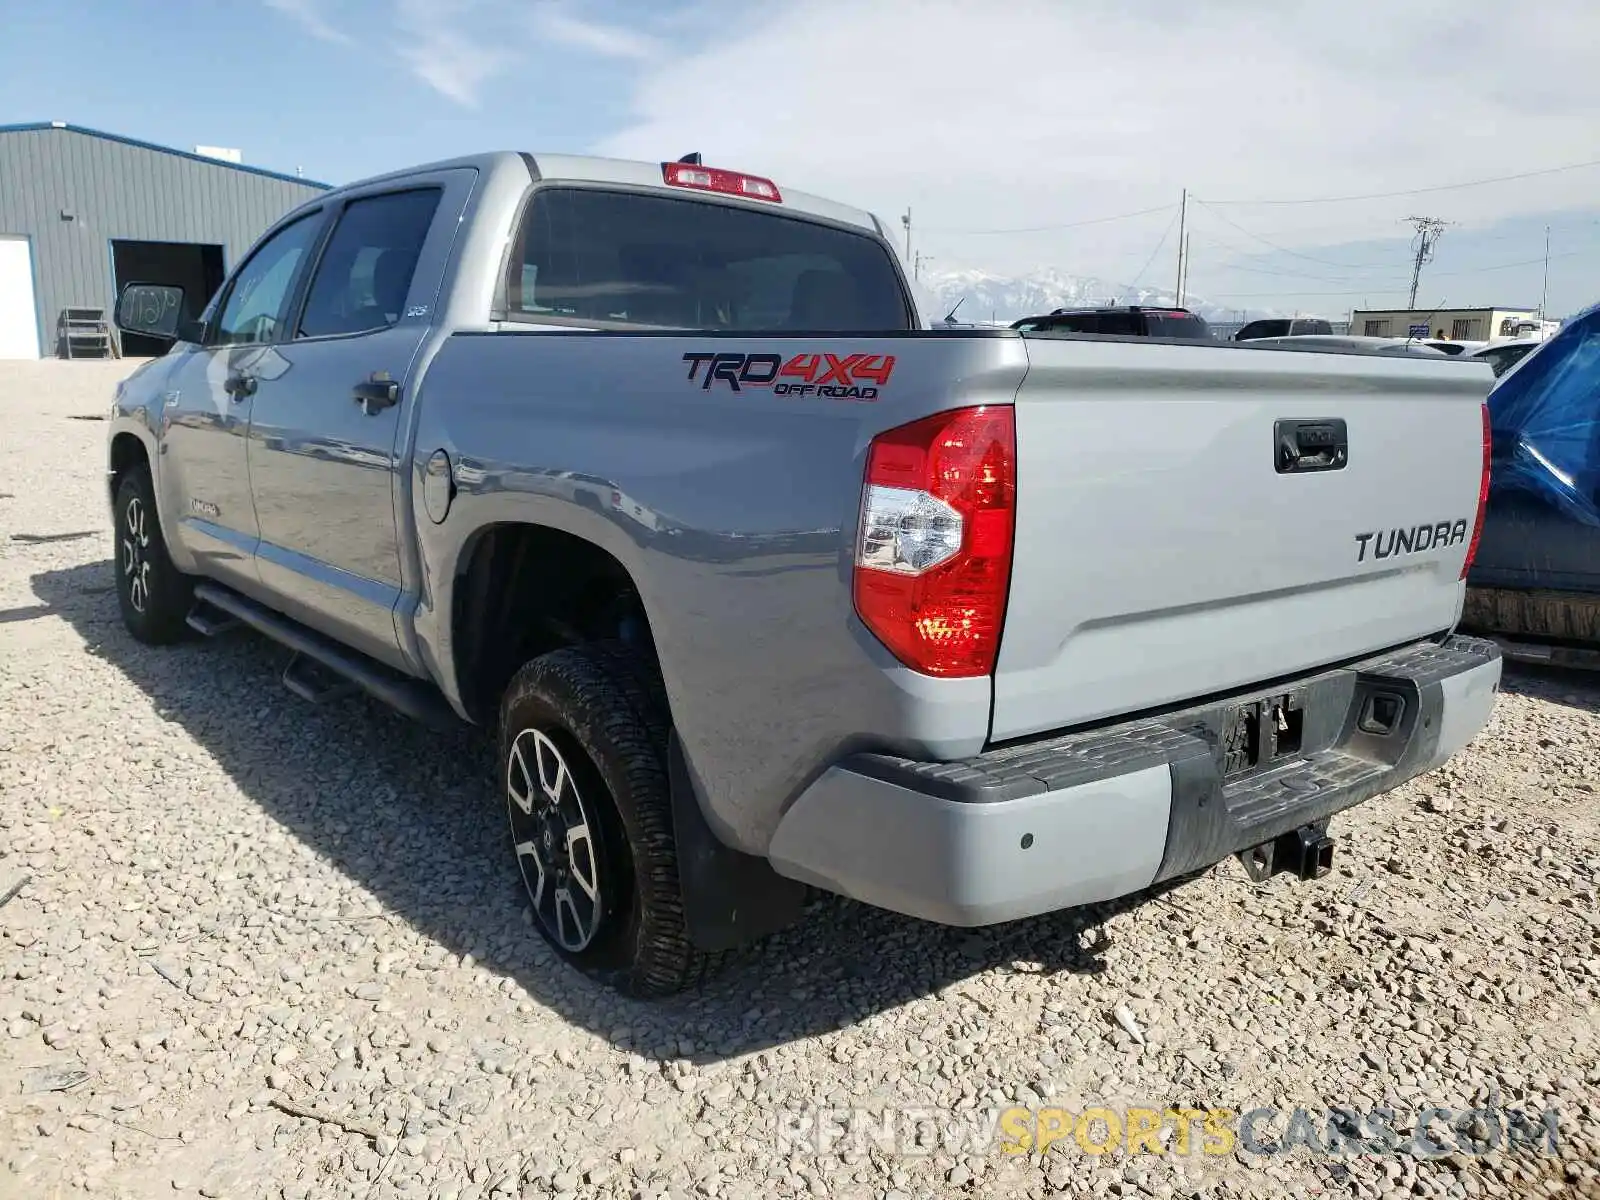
[193, 266]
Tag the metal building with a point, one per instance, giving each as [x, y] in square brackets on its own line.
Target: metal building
[84, 212]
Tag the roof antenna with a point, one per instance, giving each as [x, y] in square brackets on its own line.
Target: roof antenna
[950, 317]
[692, 159]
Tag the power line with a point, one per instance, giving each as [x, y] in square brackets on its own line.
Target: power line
[1165, 233]
[1143, 212]
[1422, 191]
[1293, 273]
[1326, 262]
[1372, 291]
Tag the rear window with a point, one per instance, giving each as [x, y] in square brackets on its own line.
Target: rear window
[586, 255]
[1177, 325]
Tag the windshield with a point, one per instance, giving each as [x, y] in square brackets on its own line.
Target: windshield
[658, 261]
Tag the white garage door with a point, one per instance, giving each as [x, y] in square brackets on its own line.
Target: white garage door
[19, 320]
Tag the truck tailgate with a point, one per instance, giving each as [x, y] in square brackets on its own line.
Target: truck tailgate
[1161, 553]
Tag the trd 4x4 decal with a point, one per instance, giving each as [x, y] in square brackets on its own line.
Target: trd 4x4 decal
[833, 376]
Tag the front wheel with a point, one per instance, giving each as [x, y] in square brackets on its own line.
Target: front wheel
[155, 597]
[583, 764]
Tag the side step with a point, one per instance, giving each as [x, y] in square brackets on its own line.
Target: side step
[413, 697]
[211, 622]
[307, 679]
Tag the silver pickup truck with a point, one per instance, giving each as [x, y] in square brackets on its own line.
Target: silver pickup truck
[768, 586]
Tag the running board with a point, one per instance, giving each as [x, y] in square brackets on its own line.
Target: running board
[412, 697]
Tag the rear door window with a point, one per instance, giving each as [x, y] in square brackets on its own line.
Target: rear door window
[614, 258]
[365, 274]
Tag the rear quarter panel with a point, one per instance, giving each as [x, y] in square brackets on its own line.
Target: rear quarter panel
[744, 563]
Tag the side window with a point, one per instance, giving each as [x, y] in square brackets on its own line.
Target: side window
[365, 274]
[1079, 323]
[259, 295]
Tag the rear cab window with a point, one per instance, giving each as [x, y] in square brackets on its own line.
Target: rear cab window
[609, 259]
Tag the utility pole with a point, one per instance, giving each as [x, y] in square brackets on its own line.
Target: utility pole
[1183, 220]
[1544, 290]
[906, 221]
[916, 264]
[1183, 272]
[1429, 230]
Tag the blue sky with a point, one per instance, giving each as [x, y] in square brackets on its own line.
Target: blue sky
[1003, 128]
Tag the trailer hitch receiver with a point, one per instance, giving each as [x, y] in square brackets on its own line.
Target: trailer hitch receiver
[1306, 851]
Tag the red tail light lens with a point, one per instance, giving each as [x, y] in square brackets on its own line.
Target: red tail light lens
[1483, 496]
[933, 555]
[716, 179]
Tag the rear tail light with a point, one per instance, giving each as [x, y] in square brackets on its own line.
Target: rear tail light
[715, 179]
[1483, 496]
[933, 555]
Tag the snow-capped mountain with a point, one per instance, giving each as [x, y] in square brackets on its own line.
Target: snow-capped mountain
[984, 296]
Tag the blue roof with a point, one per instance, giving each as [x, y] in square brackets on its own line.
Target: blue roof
[128, 141]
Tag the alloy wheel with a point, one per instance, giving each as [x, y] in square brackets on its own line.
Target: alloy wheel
[136, 563]
[554, 840]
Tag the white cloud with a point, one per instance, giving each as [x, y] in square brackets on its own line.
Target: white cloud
[1041, 112]
[308, 15]
[439, 42]
[609, 41]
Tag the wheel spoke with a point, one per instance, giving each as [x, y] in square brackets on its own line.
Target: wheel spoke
[552, 767]
[571, 922]
[580, 857]
[529, 852]
[524, 798]
[132, 519]
[129, 563]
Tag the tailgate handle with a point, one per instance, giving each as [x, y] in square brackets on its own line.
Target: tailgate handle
[1311, 445]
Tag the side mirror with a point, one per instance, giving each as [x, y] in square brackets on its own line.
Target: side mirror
[155, 310]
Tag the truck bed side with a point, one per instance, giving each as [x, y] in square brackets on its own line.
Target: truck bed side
[744, 563]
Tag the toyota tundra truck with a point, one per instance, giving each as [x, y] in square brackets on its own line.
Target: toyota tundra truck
[766, 585]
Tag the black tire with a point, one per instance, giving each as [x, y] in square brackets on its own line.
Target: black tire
[155, 597]
[596, 708]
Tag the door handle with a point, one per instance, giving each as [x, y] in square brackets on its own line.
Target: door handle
[1311, 446]
[239, 385]
[376, 394]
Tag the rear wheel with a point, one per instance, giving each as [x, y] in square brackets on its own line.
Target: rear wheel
[583, 737]
[154, 596]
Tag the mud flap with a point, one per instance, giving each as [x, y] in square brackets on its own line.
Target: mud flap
[729, 898]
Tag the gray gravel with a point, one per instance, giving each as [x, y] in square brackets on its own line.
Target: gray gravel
[237, 907]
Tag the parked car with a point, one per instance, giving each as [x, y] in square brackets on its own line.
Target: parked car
[1281, 327]
[1502, 356]
[1125, 321]
[1350, 343]
[1453, 348]
[1536, 580]
[653, 469]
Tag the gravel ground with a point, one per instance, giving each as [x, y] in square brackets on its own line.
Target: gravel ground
[236, 901]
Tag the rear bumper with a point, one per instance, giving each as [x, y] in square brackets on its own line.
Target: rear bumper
[1045, 825]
